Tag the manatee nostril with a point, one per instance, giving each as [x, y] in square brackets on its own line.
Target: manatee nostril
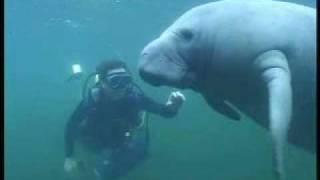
[144, 54]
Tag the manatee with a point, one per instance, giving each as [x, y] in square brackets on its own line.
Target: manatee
[253, 57]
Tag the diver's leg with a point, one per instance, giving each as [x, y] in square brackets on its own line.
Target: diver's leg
[129, 155]
[103, 167]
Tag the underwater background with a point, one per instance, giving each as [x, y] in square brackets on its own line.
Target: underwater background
[43, 38]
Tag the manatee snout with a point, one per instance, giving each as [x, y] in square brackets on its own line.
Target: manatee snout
[149, 76]
[160, 64]
[147, 70]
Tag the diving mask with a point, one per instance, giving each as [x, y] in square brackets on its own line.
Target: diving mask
[118, 78]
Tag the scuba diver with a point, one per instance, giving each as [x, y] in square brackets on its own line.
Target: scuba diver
[112, 115]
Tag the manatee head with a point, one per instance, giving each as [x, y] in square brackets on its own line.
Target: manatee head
[169, 60]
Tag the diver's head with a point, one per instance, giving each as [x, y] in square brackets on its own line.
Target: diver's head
[114, 77]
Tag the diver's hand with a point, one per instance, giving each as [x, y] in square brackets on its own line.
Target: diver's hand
[70, 164]
[175, 99]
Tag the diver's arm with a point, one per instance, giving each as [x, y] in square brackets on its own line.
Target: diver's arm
[72, 126]
[152, 106]
[168, 110]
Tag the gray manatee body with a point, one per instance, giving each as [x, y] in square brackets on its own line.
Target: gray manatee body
[258, 57]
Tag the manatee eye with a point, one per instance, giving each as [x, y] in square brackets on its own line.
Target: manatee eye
[186, 34]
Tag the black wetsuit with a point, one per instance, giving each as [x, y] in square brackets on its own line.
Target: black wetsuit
[106, 122]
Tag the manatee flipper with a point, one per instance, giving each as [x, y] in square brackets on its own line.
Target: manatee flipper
[275, 73]
[222, 107]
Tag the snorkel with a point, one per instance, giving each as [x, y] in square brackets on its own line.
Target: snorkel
[86, 82]
[77, 74]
